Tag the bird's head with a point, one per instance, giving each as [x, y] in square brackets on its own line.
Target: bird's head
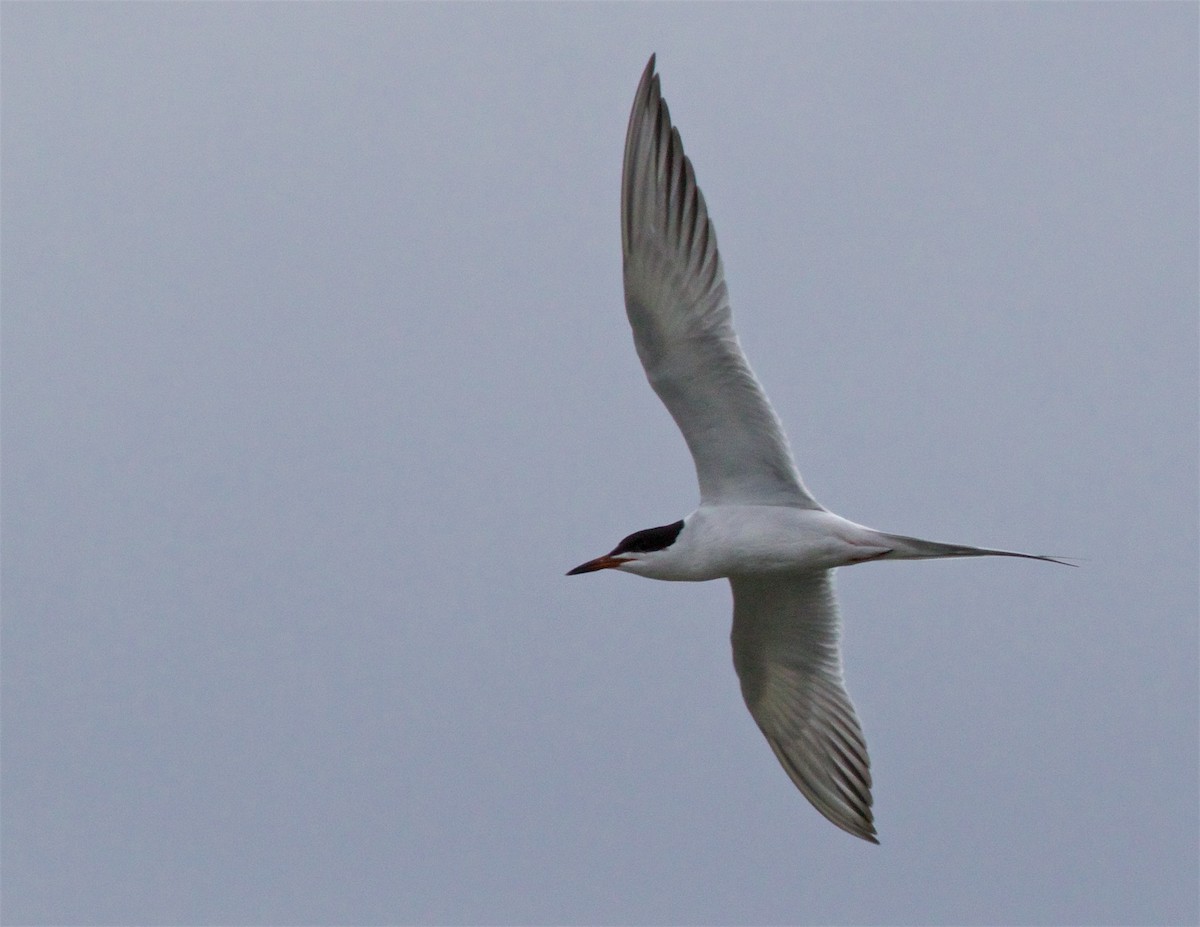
[637, 553]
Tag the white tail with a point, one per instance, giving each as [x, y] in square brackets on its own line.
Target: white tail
[907, 548]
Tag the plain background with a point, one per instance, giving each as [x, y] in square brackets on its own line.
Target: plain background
[316, 380]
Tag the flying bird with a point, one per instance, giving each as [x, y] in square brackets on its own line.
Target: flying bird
[757, 525]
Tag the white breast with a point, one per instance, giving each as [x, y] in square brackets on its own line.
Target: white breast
[751, 540]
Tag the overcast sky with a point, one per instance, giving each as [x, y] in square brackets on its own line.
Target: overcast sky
[317, 379]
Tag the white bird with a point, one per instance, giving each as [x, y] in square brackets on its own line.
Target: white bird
[757, 525]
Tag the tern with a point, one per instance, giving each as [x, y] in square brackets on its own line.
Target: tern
[756, 525]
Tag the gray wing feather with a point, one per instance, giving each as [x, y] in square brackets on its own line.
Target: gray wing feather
[785, 650]
[678, 307]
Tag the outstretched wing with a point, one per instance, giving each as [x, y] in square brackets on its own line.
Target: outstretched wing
[679, 310]
[785, 650]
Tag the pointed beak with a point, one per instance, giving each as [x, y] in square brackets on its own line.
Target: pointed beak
[607, 562]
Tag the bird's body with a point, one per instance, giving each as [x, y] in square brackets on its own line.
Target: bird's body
[757, 524]
[723, 541]
[728, 541]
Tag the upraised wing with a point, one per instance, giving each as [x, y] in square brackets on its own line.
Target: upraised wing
[682, 326]
[785, 650]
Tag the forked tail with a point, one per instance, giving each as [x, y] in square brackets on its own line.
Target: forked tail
[906, 548]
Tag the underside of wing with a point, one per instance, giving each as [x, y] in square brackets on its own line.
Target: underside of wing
[785, 650]
[678, 308]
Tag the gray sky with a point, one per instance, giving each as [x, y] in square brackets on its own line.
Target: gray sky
[317, 379]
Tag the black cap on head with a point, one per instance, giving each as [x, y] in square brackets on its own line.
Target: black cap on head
[641, 542]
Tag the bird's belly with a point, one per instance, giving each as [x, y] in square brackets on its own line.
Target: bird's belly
[752, 540]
